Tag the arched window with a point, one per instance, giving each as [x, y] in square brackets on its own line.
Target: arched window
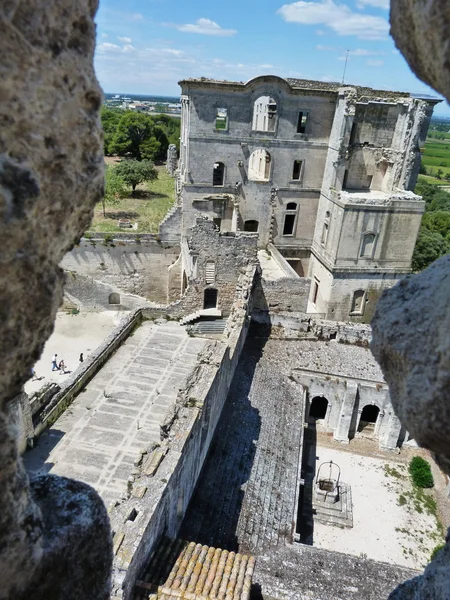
[251, 226]
[368, 245]
[114, 298]
[291, 206]
[358, 302]
[318, 408]
[264, 114]
[218, 173]
[210, 298]
[259, 165]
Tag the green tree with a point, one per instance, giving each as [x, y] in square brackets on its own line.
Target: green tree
[134, 172]
[134, 137]
[439, 174]
[437, 222]
[110, 118]
[429, 247]
[115, 188]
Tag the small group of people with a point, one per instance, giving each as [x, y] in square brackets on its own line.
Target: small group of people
[60, 366]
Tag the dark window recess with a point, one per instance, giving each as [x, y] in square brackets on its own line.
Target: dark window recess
[251, 226]
[344, 183]
[353, 134]
[302, 121]
[297, 169]
[217, 222]
[289, 222]
[316, 291]
[291, 206]
[218, 173]
[210, 298]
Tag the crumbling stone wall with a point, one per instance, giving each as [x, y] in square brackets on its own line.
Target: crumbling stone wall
[54, 533]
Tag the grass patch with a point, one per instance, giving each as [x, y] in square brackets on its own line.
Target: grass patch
[147, 208]
[393, 472]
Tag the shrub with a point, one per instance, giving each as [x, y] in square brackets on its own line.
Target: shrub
[435, 551]
[420, 472]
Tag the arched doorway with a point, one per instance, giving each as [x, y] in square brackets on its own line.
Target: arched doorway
[114, 298]
[210, 298]
[318, 408]
[368, 418]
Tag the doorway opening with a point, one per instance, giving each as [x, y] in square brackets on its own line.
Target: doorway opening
[210, 298]
[318, 408]
[368, 418]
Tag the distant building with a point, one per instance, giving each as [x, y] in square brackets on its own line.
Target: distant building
[323, 171]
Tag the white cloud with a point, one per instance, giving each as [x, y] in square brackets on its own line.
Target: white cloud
[376, 3]
[107, 47]
[104, 35]
[128, 48]
[375, 63]
[205, 27]
[137, 17]
[365, 52]
[338, 17]
[125, 40]
[267, 66]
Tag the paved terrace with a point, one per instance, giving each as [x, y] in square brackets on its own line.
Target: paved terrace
[120, 411]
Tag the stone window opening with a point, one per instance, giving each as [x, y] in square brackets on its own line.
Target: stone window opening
[251, 226]
[297, 170]
[218, 173]
[259, 165]
[315, 290]
[368, 245]
[358, 303]
[319, 407]
[210, 271]
[290, 218]
[210, 298]
[302, 121]
[221, 119]
[264, 114]
[369, 418]
[323, 239]
[114, 298]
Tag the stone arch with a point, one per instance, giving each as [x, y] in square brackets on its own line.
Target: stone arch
[368, 244]
[369, 418]
[318, 408]
[251, 225]
[264, 114]
[259, 165]
[114, 298]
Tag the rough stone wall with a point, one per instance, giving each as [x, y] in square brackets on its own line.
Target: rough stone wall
[282, 295]
[232, 255]
[54, 534]
[134, 266]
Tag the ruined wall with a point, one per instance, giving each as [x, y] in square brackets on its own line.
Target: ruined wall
[134, 266]
[164, 483]
[282, 295]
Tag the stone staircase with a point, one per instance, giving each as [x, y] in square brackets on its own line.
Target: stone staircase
[209, 327]
[204, 312]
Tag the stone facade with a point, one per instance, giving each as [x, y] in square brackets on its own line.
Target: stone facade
[322, 171]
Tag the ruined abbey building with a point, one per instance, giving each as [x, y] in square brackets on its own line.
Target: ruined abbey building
[323, 172]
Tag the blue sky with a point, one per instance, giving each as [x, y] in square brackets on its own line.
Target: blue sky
[147, 46]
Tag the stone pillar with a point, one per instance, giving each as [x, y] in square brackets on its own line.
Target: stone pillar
[172, 159]
[345, 417]
[21, 415]
[389, 439]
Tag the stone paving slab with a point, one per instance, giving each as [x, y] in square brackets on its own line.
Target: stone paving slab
[120, 411]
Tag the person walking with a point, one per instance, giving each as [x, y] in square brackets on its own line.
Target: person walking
[81, 359]
[55, 362]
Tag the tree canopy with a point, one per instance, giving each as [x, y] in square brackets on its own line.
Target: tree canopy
[134, 172]
[139, 135]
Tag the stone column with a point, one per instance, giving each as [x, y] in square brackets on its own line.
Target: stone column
[389, 439]
[345, 416]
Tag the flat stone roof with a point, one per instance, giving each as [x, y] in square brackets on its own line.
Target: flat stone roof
[119, 412]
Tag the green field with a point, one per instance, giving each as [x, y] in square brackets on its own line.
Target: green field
[436, 157]
[147, 207]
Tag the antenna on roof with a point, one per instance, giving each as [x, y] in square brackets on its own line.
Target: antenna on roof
[345, 67]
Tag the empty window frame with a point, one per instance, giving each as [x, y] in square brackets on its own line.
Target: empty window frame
[251, 226]
[302, 121]
[259, 165]
[358, 302]
[315, 290]
[368, 245]
[221, 119]
[297, 170]
[290, 218]
[323, 239]
[264, 114]
[218, 173]
[210, 271]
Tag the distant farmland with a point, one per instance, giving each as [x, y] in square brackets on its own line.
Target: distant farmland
[436, 156]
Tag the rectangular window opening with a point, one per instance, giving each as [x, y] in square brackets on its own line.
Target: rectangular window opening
[316, 291]
[324, 233]
[289, 222]
[297, 170]
[302, 121]
[221, 119]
